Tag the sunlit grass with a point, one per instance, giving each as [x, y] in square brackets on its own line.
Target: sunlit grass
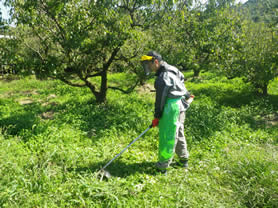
[52, 146]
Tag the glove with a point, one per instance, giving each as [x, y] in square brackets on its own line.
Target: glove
[155, 122]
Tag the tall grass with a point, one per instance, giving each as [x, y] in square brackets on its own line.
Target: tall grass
[54, 139]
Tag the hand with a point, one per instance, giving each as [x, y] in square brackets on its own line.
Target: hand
[155, 122]
[190, 99]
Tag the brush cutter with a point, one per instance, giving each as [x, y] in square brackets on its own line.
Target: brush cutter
[102, 172]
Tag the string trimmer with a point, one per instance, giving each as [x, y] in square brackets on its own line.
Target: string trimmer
[104, 173]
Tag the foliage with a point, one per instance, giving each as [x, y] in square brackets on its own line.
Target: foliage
[219, 38]
[262, 11]
[253, 55]
[262, 56]
[77, 41]
[196, 39]
[203, 41]
[52, 146]
[80, 42]
[9, 47]
[1, 20]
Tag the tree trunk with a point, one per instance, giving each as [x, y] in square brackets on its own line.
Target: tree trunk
[93, 90]
[261, 89]
[101, 95]
[196, 73]
[101, 98]
[264, 88]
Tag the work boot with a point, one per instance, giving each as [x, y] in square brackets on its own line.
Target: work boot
[184, 163]
[163, 172]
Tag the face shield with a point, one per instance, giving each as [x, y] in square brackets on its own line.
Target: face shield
[146, 62]
[146, 67]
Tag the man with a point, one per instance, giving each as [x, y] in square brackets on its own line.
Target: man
[170, 107]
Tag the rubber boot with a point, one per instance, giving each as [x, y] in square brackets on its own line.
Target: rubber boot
[163, 172]
[184, 163]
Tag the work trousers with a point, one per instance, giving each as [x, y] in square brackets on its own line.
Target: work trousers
[171, 133]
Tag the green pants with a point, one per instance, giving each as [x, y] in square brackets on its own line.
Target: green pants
[171, 133]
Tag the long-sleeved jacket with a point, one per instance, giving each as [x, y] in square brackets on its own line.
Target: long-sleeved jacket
[168, 84]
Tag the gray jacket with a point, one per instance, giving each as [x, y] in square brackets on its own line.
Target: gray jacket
[168, 84]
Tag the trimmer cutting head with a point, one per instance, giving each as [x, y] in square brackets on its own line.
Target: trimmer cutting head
[104, 174]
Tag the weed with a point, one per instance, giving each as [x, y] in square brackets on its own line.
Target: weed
[52, 147]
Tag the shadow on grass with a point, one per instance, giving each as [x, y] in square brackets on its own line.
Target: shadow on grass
[235, 96]
[273, 100]
[97, 119]
[227, 96]
[23, 119]
[87, 116]
[129, 112]
[224, 96]
[119, 169]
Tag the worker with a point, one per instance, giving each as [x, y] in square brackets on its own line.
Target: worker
[170, 106]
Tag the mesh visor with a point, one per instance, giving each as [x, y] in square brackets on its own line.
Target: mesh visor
[146, 66]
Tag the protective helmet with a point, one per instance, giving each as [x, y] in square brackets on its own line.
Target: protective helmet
[149, 58]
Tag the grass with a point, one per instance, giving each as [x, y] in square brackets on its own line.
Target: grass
[54, 139]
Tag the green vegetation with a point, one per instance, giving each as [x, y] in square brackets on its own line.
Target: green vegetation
[54, 138]
[79, 41]
[57, 132]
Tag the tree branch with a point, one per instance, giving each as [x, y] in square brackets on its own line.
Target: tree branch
[32, 49]
[61, 29]
[129, 90]
[126, 59]
[111, 59]
[70, 83]
[93, 75]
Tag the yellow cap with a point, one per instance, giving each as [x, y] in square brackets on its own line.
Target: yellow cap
[146, 58]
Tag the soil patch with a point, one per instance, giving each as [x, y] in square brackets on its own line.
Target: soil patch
[271, 119]
[6, 95]
[50, 103]
[146, 88]
[47, 115]
[25, 101]
[51, 96]
[268, 120]
[30, 92]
